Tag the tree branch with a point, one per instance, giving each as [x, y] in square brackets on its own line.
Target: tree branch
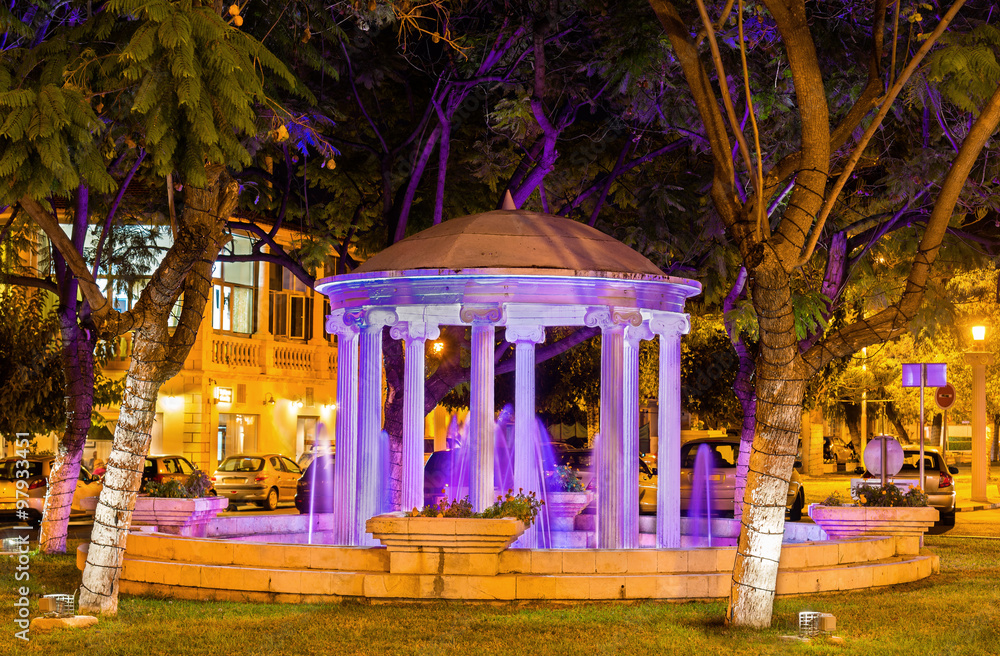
[893, 320]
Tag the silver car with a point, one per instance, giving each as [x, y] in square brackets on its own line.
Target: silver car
[266, 479]
[939, 481]
[35, 475]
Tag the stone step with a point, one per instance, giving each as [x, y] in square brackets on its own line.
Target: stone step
[190, 580]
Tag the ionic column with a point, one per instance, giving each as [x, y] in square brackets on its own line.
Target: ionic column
[481, 423]
[669, 327]
[370, 476]
[628, 480]
[611, 468]
[345, 473]
[414, 334]
[527, 477]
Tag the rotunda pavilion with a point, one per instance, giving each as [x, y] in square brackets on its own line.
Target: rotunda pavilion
[521, 272]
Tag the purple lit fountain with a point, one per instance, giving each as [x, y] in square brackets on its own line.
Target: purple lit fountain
[700, 504]
[524, 273]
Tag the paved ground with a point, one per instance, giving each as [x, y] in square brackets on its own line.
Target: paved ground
[985, 522]
[820, 487]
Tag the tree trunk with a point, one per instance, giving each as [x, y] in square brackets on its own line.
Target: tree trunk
[743, 386]
[157, 356]
[113, 517]
[392, 352]
[780, 387]
[852, 419]
[78, 365]
[901, 433]
[77, 355]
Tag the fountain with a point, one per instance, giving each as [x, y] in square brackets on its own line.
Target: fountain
[700, 504]
[522, 273]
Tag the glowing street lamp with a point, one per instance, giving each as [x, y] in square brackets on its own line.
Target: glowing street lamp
[979, 359]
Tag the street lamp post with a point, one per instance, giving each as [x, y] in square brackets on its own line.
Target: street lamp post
[979, 360]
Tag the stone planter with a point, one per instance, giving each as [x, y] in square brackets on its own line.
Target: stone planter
[853, 521]
[563, 507]
[448, 534]
[444, 545]
[188, 517]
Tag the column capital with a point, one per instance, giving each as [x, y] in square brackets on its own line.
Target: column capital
[636, 334]
[978, 358]
[669, 324]
[481, 313]
[378, 317]
[343, 322]
[410, 331]
[518, 332]
[607, 317]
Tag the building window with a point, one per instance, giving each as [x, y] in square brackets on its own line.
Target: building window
[290, 305]
[236, 434]
[233, 290]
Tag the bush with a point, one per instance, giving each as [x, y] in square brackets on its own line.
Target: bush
[890, 496]
[836, 500]
[196, 486]
[563, 479]
[519, 506]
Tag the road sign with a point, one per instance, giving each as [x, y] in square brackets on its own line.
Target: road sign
[945, 396]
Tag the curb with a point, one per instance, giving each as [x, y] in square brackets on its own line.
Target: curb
[983, 506]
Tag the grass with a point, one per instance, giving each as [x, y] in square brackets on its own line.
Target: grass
[955, 612]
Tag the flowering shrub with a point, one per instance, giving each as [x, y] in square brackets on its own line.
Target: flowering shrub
[563, 479]
[196, 486]
[876, 496]
[889, 496]
[519, 506]
[836, 500]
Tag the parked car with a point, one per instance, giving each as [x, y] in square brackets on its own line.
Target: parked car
[314, 489]
[724, 452]
[162, 468]
[87, 485]
[266, 479]
[939, 484]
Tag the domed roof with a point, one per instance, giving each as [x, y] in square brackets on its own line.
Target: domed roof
[511, 239]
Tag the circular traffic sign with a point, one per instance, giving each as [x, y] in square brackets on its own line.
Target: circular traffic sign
[893, 455]
[945, 396]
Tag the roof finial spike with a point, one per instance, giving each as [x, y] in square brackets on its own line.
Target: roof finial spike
[508, 201]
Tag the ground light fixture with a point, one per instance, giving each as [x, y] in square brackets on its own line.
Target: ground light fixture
[978, 333]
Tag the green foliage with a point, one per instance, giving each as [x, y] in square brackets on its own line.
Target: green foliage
[169, 77]
[461, 508]
[563, 479]
[889, 496]
[836, 500]
[810, 313]
[520, 506]
[31, 375]
[966, 70]
[196, 486]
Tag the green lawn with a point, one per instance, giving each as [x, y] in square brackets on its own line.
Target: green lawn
[956, 612]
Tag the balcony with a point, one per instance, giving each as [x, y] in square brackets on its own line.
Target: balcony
[232, 353]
